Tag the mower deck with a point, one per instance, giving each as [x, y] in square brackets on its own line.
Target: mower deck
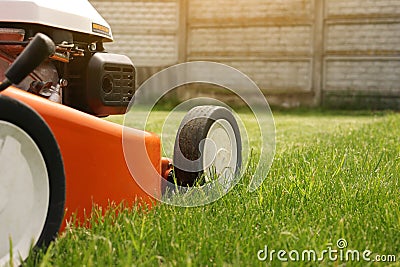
[93, 156]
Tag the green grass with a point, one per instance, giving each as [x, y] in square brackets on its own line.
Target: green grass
[335, 175]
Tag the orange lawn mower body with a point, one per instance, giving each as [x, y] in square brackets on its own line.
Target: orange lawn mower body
[95, 168]
[58, 158]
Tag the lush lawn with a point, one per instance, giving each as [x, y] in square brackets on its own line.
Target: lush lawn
[335, 175]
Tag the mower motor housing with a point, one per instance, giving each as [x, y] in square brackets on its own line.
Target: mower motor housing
[105, 85]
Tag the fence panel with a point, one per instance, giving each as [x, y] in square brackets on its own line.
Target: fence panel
[362, 53]
[299, 52]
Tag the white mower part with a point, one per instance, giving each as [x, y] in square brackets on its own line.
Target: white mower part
[24, 193]
[78, 16]
[220, 152]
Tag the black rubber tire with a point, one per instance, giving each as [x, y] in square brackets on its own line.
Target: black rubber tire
[19, 114]
[192, 130]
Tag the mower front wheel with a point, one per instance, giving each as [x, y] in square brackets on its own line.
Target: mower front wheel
[32, 182]
[207, 147]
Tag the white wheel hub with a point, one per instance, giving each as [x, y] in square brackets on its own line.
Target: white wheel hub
[220, 152]
[24, 193]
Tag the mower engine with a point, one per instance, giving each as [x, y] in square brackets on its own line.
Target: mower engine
[98, 83]
[80, 74]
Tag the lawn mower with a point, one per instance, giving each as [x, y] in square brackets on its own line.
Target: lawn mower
[58, 157]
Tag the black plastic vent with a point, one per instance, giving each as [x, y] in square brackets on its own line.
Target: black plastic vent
[111, 83]
[118, 84]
